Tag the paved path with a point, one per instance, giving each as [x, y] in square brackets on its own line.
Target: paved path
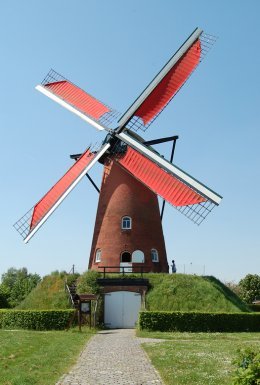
[112, 357]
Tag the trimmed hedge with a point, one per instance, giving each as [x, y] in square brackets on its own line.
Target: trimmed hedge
[199, 322]
[35, 319]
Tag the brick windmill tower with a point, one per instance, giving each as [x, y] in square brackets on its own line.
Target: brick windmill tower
[128, 231]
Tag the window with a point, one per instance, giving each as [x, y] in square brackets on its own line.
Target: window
[138, 256]
[126, 223]
[98, 255]
[154, 255]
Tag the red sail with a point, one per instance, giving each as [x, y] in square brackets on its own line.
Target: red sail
[170, 84]
[78, 98]
[162, 183]
[59, 189]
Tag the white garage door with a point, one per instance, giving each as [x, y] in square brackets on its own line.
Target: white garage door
[121, 309]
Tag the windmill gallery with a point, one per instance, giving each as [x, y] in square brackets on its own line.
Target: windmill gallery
[128, 232]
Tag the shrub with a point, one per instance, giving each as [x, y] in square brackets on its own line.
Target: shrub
[248, 368]
[35, 319]
[199, 322]
[4, 295]
[19, 283]
[72, 278]
[250, 287]
[87, 283]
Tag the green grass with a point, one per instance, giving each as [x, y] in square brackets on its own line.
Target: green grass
[38, 358]
[196, 358]
[48, 294]
[182, 292]
[167, 292]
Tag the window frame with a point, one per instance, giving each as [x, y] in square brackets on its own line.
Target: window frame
[98, 256]
[126, 218]
[153, 253]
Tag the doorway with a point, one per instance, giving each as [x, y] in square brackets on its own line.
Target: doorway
[121, 309]
[126, 257]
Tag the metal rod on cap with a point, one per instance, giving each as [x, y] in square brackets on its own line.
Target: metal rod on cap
[171, 159]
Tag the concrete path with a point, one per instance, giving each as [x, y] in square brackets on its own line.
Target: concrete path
[112, 357]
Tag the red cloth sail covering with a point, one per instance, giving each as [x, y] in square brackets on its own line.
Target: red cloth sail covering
[78, 98]
[162, 183]
[57, 191]
[170, 84]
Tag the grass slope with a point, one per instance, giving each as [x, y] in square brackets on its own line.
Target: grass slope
[182, 292]
[48, 294]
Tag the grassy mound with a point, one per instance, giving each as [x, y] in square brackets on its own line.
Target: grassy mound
[48, 294]
[181, 292]
[167, 292]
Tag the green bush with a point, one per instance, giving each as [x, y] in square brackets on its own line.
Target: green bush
[35, 319]
[87, 283]
[250, 287]
[248, 368]
[18, 283]
[199, 322]
[4, 295]
[72, 278]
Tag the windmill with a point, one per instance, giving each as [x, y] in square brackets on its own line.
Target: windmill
[128, 223]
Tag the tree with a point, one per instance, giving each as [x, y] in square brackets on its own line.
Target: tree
[4, 295]
[18, 283]
[234, 287]
[250, 287]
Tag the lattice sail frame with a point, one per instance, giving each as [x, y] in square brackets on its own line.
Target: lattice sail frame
[78, 101]
[180, 74]
[183, 192]
[30, 223]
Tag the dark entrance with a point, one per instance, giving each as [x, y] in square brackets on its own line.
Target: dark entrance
[126, 257]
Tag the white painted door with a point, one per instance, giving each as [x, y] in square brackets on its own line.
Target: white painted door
[127, 267]
[121, 309]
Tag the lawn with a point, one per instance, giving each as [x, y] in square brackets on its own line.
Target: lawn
[196, 358]
[38, 357]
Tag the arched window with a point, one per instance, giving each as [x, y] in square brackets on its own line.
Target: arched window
[138, 256]
[154, 255]
[126, 257]
[126, 223]
[98, 255]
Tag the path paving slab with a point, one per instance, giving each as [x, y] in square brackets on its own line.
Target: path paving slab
[113, 357]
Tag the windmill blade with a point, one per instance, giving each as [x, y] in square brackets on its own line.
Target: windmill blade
[35, 218]
[73, 98]
[167, 82]
[187, 194]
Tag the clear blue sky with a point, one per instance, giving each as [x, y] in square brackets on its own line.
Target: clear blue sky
[113, 49]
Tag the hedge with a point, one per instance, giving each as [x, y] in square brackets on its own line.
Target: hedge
[35, 319]
[199, 322]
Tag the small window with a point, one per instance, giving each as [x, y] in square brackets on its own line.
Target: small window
[98, 255]
[154, 255]
[126, 223]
